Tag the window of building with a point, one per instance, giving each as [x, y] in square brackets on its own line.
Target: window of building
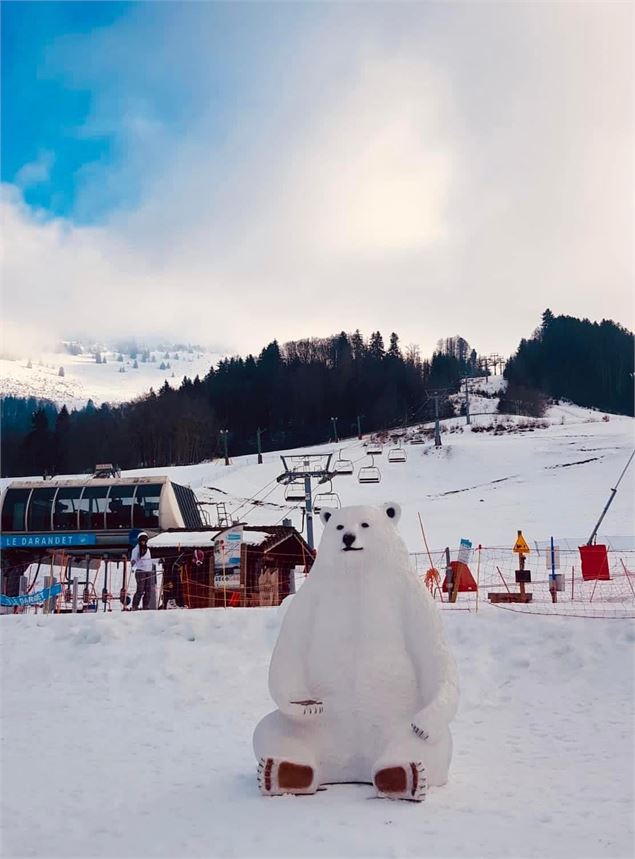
[146, 506]
[65, 508]
[40, 506]
[14, 509]
[119, 512]
[92, 507]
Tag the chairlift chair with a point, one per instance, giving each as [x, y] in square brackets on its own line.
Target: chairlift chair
[343, 466]
[374, 449]
[327, 500]
[369, 473]
[397, 454]
[294, 491]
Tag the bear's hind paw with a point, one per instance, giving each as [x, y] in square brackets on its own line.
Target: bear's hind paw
[277, 776]
[403, 781]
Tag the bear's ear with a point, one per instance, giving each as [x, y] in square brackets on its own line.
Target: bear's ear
[325, 515]
[392, 511]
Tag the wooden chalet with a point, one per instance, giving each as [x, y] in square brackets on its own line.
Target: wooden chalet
[269, 559]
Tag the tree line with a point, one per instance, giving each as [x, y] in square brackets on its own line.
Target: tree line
[290, 393]
[589, 363]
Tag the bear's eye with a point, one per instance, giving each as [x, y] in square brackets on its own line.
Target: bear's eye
[340, 527]
[365, 525]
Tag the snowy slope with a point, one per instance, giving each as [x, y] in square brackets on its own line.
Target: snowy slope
[130, 736]
[551, 481]
[84, 379]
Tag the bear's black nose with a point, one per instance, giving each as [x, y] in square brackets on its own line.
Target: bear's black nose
[348, 539]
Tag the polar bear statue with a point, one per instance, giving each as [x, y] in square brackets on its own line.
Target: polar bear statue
[361, 675]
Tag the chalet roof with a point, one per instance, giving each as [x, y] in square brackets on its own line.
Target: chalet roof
[265, 537]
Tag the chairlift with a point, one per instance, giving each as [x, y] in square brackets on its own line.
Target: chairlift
[327, 500]
[294, 491]
[374, 449]
[369, 473]
[397, 454]
[418, 439]
[343, 466]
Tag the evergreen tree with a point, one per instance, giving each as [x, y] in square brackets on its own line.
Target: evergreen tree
[376, 346]
[393, 348]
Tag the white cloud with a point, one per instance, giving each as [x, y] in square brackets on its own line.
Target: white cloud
[35, 172]
[433, 170]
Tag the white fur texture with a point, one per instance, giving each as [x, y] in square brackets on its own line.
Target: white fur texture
[362, 650]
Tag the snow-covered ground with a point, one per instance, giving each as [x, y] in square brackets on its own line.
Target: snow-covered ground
[85, 379]
[129, 735]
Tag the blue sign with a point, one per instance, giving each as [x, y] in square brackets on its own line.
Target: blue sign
[32, 599]
[46, 541]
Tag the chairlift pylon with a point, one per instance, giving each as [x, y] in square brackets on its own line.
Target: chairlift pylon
[369, 473]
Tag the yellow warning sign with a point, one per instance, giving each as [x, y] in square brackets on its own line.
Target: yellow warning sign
[520, 546]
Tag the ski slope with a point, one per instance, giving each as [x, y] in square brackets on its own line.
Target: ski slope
[129, 735]
[552, 481]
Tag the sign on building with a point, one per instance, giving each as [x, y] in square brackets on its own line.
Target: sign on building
[227, 548]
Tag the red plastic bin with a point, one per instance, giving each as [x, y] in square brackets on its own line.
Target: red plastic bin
[595, 562]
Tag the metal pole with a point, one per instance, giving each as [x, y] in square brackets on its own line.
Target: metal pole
[610, 501]
[437, 431]
[359, 428]
[552, 577]
[309, 511]
[224, 435]
[467, 403]
[334, 422]
[258, 434]
[104, 591]
[75, 593]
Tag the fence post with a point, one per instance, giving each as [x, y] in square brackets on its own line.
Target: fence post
[478, 574]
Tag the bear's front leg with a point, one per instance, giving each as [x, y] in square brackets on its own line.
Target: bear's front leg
[286, 750]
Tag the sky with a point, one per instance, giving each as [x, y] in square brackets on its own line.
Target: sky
[231, 173]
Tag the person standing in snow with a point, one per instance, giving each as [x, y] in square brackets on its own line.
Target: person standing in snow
[141, 563]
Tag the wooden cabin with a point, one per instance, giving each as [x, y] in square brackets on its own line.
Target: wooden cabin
[263, 573]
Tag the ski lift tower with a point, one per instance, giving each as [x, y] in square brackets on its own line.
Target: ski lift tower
[307, 467]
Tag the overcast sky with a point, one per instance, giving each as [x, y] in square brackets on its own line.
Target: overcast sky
[228, 174]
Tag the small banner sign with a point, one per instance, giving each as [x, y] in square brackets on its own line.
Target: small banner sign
[33, 599]
[227, 558]
[465, 551]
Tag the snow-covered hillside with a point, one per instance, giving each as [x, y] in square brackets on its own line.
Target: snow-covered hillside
[483, 485]
[83, 378]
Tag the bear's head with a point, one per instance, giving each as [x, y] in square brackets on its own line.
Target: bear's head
[361, 541]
